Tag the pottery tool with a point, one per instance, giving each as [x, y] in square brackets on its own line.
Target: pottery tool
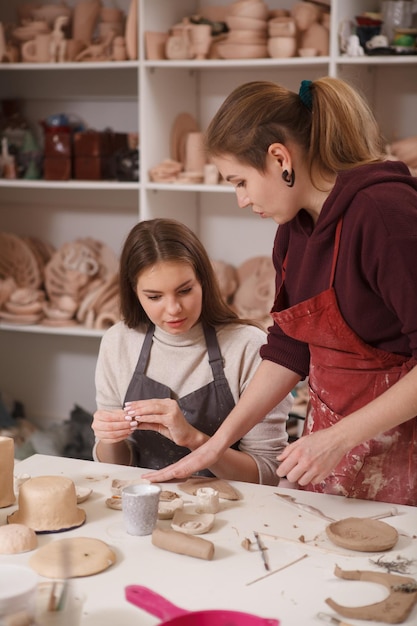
[304, 507]
[331, 619]
[300, 558]
[262, 547]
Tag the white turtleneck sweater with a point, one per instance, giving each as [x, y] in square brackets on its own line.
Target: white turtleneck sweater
[181, 363]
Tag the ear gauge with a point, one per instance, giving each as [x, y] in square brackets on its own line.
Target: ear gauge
[288, 178]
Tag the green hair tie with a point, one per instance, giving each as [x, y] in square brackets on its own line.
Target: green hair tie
[305, 94]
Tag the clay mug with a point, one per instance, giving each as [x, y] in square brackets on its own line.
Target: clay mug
[37, 50]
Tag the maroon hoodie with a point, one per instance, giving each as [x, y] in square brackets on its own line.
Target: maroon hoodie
[376, 272]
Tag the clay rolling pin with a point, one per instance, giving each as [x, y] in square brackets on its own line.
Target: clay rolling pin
[178, 542]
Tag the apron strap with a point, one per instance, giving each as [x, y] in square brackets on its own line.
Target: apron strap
[214, 354]
[144, 353]
[336, 249]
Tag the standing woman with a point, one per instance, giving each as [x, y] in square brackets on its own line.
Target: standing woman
[345, 313]
[171, 371]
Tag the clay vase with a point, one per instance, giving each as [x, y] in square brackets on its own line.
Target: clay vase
[200, 40]
[7, 496]
[119, 49]
[85, 17]
[73, 49]
[131, 30]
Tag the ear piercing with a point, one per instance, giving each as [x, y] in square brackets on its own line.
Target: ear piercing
[288, 178]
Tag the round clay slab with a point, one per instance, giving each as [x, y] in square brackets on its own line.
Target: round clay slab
[72, 557]
[362, 534]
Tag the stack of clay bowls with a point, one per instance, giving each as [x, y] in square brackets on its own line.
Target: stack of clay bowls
[282, 42]
[247, 37]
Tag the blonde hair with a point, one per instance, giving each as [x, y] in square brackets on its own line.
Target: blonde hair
[338, 133]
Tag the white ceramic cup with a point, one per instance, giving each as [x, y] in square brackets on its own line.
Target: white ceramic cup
[17, 594]
[58, 603]
[140, 508]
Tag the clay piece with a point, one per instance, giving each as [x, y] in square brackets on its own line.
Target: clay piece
[180, 543]
[191, 523]
[393, 610]
[226, 491]
[362, 534]
[208, 500]
[18, 261]
[117, 485]
[72, 558]
[168, 508]
[82, 493]
[16, 538]
[115, 502]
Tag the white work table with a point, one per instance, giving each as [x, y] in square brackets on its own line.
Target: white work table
[293, 595]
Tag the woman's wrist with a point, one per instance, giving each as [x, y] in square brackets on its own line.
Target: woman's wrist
[120, 453]
[198, 439]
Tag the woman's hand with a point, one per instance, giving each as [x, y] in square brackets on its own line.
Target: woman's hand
[165, 417]
[312, 457]
[111, 426]
[205, 456]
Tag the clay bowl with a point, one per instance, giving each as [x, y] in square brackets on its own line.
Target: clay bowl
[49, 13]
[246, 23]
[281, 47]
[307, 52]
[281, 26]
[246, 36]
[26, 33]
[242, 51]
[249, 8]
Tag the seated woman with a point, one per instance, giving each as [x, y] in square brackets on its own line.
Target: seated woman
[170, 372]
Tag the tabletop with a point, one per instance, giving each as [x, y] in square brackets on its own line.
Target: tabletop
[302, 558]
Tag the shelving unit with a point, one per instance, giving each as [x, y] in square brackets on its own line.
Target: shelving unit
[48, 369]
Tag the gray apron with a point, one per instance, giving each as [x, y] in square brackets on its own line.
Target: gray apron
[205, 408]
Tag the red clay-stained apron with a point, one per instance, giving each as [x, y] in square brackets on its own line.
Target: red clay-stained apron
[346, 374]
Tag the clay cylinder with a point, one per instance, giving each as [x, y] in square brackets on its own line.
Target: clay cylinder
[7, 496]
[190, 545]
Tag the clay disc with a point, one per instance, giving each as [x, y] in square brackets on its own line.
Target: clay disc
[72, 558]
[362, 534]
[225, 490]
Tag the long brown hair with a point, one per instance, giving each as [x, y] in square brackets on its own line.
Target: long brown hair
[338, 133]
[156, 240]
